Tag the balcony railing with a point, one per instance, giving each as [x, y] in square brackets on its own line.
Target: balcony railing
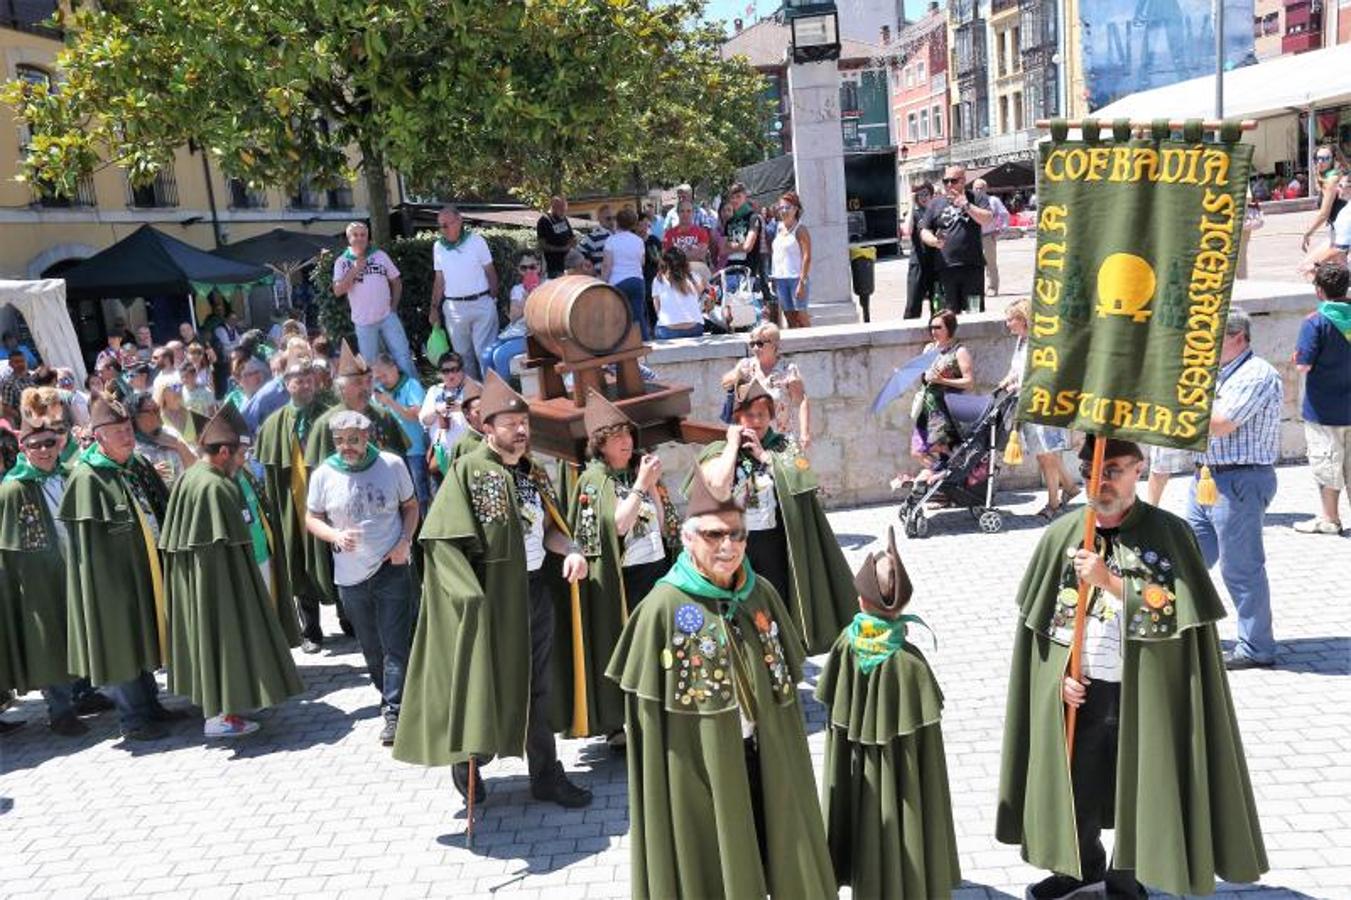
[340, 198]
[996, 148]
[244, 197]
[84, 196]
[157, 194]
[33, 16]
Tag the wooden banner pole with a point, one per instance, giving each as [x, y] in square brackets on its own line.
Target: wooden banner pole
[473, 785]
[1081, 606]
[1106, 124]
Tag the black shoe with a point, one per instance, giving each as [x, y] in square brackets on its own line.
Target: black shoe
[151, 731]
[93, 703]
[346, 628]
[459, 775]
[164, 714]
[10, 727]
[1236, 662]
[68, 725]
[1133, 890]
[1061, 887]
[554, 787]
[309, 646]
[387, 733]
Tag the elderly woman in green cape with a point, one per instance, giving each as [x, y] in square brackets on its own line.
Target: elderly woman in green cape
[720, 778]
[791, 543]
[887, 806]
[1157, 755]
[624, 522]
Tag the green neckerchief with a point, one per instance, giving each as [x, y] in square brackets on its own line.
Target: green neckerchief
[874, 639]
[1338, 312]
[337, 462]
[371, 250]
[744, 211]
[685, 577]
[257, 532]
[304, 418]
[235, 397]
[93, 455]
[455, 244]
[23, 470]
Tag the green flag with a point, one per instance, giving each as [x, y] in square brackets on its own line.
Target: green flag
[1137, 242]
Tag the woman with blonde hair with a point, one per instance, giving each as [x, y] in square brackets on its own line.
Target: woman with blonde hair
[782, 380]
[1045, 442]
[168, 396]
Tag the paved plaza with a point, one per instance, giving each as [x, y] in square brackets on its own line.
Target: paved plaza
[312, 805]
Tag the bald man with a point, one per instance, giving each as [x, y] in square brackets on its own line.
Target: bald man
[554, 232]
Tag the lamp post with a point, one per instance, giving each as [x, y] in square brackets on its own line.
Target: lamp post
[818, 153]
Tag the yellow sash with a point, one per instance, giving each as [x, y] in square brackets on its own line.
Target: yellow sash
[580, 724]
[156, 578]
[299, 482]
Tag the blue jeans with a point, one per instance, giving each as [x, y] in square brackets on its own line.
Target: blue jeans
[785, 291]
[390, 330]
[662, 333]
[634, 290]
[1231, 532]
[382, 610]
[136, 700]
[422, 481]
[60, 699]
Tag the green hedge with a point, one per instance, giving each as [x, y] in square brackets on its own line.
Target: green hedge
[413, 256]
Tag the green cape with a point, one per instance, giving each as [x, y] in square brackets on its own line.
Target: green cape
[32, 591]
[278, 449]
[112, 625]
[605, 606]
[387, 435]
[692, 825]
[228, 650]
[1184, 808]
[887, 807]
[823, 598]
[467, 688]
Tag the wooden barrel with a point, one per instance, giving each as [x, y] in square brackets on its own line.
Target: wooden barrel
[578, 310]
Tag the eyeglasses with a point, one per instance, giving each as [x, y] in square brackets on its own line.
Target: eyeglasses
[952, 181]
[1110, 473]
[718, 535]
[340, 441]
[450, 370]
[44, 444]
[1322, 158]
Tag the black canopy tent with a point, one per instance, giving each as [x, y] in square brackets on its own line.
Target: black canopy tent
[1006, 178]
[281, 248]
[149, 263]
[869, 185]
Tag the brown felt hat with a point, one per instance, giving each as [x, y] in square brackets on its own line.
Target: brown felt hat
[704, 502]
[882, 583]
[498, 398]
[226, 427]
[1115, 447]
[601, 413]
[199, 423]
[103, 411]
[350, 363]
[749, 391]
[471, 390]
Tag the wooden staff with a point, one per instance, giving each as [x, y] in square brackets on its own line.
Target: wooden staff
[1081, 607]
[473, 786]
[1146, 124]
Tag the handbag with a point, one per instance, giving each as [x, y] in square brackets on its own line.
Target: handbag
[438, 344]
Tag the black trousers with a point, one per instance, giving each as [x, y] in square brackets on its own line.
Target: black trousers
[1094, 778]
[961, 286]
[308, 610]
[541, 753]
[639, 580]
[919, 290]
[768, 552]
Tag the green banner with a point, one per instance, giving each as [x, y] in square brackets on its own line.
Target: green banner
[1137, 242]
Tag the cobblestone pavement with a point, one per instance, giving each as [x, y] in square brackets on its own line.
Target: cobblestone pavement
[312, 805]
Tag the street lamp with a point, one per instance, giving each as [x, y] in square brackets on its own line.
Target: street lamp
[815, 29]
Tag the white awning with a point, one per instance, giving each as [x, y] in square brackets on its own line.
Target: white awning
[43, 305]
[1272, 88]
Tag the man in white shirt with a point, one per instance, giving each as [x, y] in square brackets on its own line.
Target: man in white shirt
[989, 233]
[370, 281]
[464, 289]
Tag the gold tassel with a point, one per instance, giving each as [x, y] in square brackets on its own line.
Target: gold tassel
[1013, 450]
[1206, 490]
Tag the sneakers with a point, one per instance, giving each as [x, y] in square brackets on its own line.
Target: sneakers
[387, 733]
[1318, 525]
[1062, 887]
[309, 646]
[228, 727]
[553, 787]
[68, 725]
[617, 741]
[459, 776]
[1236, 662]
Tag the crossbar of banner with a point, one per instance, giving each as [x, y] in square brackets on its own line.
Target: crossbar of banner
[1106, 124]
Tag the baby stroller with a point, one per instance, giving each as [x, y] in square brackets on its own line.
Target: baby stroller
[967, 478]
[731, 302]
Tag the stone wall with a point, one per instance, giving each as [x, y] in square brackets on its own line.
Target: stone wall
[856, 454]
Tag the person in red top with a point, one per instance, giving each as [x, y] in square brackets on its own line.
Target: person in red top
[695, 241]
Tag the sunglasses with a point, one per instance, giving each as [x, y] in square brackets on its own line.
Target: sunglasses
[1322, 158]
[952, 181]
[1111, 473]
[451, 370]
[44, 444]
[758, 344]
[718, 535]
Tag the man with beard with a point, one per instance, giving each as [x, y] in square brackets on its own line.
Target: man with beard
[1157, 755]
[721, 799]
[281, 451]
[112, 509]
[230, 625]
[479, 679]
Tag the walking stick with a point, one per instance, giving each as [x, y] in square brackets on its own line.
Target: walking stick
[1081, 607]
[473, 785]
